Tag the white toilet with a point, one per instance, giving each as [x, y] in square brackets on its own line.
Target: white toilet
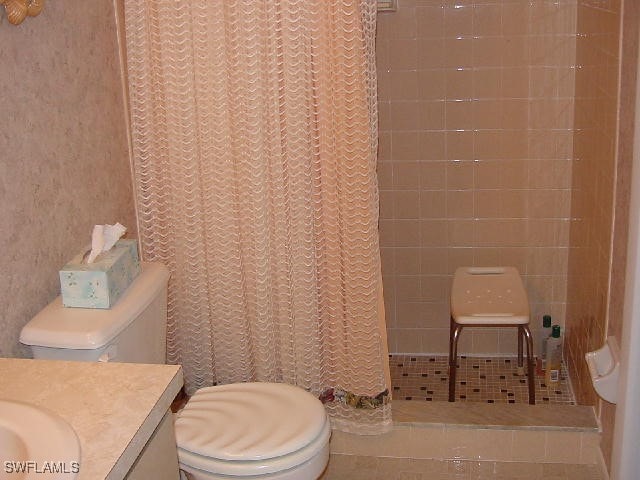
[244, 430]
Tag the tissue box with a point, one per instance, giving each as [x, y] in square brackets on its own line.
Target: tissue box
[101, 283]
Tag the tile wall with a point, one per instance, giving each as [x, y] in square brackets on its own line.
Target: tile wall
[454, 442]
[605, 107]
[476, 116]
[593, 186]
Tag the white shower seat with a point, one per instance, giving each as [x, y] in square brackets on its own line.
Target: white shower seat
[489, 297]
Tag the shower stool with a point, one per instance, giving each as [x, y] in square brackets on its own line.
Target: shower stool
[489, 297]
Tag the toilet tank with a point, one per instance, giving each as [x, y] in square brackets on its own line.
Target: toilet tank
[133, 331]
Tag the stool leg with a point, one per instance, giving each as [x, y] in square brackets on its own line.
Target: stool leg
[530, 365]
[454, 335]
[520, 370]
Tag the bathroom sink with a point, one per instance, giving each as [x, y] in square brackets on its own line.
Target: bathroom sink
[36, 444]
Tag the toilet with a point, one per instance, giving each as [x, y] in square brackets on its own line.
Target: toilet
[255, 430]
[242, 430]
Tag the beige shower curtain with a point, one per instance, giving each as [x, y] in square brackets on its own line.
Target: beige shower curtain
[254, 150]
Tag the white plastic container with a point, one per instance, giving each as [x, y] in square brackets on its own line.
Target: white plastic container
[603, 366]
[554, 357]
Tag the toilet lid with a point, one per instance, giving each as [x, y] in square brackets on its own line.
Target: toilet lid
[249, 421]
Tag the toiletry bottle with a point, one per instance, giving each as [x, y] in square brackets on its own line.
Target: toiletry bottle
[554, 357]
[541, 361]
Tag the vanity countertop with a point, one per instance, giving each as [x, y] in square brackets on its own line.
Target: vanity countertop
[113, 407]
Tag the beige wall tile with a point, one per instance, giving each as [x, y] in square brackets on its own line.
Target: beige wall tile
[529, 446]
[590, 448]
[433, 204]
[459, 443]
[403, 53]
[487, 144]
[408, 315]
[459, 84]
[521, 471]
[487, 203]
[430, 20]
[487, 114]
[407, 341]
[485, 340]
[459, 114]
[405, 146]
[403, 85]
[407, 204]
[476, 120]
[515, 82]
[487, 82]
[435, 340]
[432, 53]
[458, 52]
[431, 146]
[461, 233]
[405, 115]
[460, 145]
[402, 23]
[494, 444]
[459, 175]
[458, 20]
[406, 263]
[515, 19]
[432, 84]
[460, 204]
[431, 116]
[433, 175]
[426, 443]
[459, 257]
[487, 52]
[434, 233]
[562, 447]
[487, 20]
[386, 204]
[507, 342]
[433, 261]
[406, 175]
[392, 338]
[433, 288]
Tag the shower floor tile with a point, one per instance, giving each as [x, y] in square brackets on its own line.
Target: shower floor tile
[479, 379]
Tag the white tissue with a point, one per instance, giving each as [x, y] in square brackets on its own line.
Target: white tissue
[103, 238]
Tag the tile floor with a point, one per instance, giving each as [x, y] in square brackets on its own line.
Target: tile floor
[355, 467]
[480, 379]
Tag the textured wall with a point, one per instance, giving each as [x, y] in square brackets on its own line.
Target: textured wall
[63, 151]
[476, 118]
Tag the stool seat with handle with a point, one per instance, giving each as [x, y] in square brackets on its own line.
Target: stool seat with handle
[490, 297]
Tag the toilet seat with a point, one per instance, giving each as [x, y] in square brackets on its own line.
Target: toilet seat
[242, 468]
[248, 429]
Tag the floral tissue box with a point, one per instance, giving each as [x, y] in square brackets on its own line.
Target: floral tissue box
[101, 283]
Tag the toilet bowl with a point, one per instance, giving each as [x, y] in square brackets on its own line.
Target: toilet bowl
[253, 430]
[246, 430]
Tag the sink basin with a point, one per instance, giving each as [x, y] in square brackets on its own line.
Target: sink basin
[36, 444]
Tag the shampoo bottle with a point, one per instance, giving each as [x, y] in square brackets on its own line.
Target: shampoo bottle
[554, 357]
[541, 363]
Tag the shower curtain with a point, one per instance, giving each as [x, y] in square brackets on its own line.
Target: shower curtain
[254, 138]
